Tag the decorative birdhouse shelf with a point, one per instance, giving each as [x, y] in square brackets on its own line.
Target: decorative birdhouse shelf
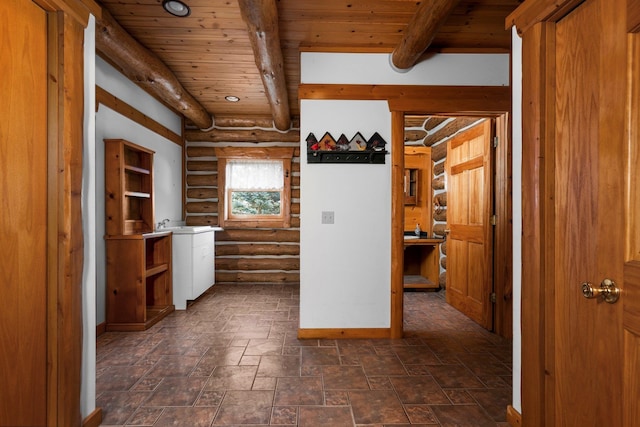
[344, 150]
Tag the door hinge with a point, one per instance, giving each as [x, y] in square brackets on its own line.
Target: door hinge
[494, 219]
[496, 140]
[493, 297]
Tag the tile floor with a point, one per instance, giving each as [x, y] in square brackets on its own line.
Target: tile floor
[233, 359]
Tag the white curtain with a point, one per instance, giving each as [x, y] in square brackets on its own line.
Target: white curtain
[254, 175]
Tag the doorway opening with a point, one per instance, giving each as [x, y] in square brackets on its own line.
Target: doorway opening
[492, 307]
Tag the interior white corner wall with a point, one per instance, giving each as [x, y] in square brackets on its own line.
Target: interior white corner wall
[167, 161]
[88, 386]
[516, 47]
[345, 267]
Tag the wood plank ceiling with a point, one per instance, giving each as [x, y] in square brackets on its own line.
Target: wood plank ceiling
[210, 53]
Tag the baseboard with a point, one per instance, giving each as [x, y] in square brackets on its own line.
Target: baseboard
[351, 333]
[94, 419]
[101, 328]
[513, 417]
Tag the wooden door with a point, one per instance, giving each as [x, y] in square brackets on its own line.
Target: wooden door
[41, 246]
[581, 357]
[469, 209]
[23, 222]
[631, 298]
[589, 190]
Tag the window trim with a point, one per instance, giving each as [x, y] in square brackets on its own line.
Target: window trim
[224, 154]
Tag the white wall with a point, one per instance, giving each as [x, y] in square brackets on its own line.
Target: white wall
[441, 69]
[345, 268]
[167, 182]
[517, 215]
[88, 387]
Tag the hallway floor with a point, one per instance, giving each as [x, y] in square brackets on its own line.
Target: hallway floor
[233, 359]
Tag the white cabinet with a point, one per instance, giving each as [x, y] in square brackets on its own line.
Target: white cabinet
[193, 262]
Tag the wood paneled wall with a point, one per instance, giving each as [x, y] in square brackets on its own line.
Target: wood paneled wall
[243, 255]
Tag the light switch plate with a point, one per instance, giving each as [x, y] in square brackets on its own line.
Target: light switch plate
[327, 217]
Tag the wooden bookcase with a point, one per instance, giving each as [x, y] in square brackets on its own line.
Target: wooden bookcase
[139, 274]
[128, 188]
[139, 280]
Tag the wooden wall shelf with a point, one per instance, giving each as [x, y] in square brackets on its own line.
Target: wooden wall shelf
[373, 157]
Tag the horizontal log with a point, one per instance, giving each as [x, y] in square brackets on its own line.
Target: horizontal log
[440, 216]
[208, 180]
[438, 168]
[414, 121]
[439, 151]
[202, 165]
[201, 152]
[257, 249]
[414, 135]
[443, 247]
[443, 262]
[211, 220]
[449, 129]
[242, 135]
[438, 183]
[295, 181]
[295, 193]
[202, 193]
[295, 208]
[295, 222]
[276, 235]
[241, 277]
[442, 280]
[250, 263]
[440, 199]
[434, 122]
[438, 229]
[202, 207]
[232, 122]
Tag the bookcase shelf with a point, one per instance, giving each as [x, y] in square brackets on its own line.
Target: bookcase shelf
[128, 188]
[139, 273]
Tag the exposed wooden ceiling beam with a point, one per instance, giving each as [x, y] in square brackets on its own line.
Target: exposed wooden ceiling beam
[261, 17]
[420, 32]
[147, 70]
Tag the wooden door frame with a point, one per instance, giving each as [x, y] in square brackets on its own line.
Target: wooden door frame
[456, 105]
[535, 22]
[66, 20]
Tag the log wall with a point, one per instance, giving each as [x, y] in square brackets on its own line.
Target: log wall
[243, 255]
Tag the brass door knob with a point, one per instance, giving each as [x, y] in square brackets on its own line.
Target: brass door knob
[608, 290]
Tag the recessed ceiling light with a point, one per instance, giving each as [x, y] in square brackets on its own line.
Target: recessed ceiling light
[232, 98]
[176, 8]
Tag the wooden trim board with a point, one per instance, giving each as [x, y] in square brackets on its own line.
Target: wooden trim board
[94, 419]
[343, 333]
[513, 417]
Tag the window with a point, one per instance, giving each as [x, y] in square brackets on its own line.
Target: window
[254, 186]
